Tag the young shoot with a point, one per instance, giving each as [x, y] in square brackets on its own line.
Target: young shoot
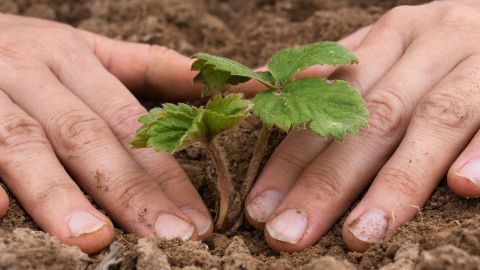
[327, 108]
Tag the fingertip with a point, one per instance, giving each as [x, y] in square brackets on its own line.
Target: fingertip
[173, 225]
[361, 230]
[288, 231]
[205, 236]
[203, 222]
[169, 73]
[351, 241]
[260, 205]
[4, 202]
[94, 241]
[257, 225]
[281, 246]
[462, 185]
[247, 211]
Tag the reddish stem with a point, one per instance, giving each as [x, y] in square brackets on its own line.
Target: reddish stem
[258, 153]
[224, 186]
[252, 171]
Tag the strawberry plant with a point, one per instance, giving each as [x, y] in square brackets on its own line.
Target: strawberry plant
[327, 108]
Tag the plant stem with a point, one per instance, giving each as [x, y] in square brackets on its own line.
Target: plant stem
[226, 195]
[258, 153]
[252, 171]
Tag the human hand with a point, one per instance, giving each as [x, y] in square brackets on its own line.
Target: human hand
[419, 73]
[63, 107]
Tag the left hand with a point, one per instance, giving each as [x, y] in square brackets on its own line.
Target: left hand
[66, 119]
[419, 73]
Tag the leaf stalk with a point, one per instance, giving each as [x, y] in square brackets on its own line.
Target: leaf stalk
[226, 194]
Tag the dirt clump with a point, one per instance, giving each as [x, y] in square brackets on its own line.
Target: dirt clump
[448, 257]
[28, 249]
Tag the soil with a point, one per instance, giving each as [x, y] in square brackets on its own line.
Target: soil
[445, 235]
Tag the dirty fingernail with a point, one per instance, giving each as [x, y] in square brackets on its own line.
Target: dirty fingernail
[263, 205]
[370, 227]
[169, 226]
[202, 221]
[471, 171]
[289, 226]
[83, 222]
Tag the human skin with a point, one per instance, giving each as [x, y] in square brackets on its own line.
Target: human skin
[65, 107]
[419, 73]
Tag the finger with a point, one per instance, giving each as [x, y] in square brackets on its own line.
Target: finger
[464, 174]
[287, 162]
[284, 168]
[352, 41]
[118, 107]
[334, 179]
[99, 163]
[442, 124]
[3, 202]
[148, 69]
[380, 49]
[32, 172]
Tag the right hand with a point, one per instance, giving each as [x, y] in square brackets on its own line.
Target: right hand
[64, 107]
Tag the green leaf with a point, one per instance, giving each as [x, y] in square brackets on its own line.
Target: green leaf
[174, 127]
[328, 108]
[141, 138]
[223, 113]
[266, 77]
[170, 128]
[286, 63]
[218, 72]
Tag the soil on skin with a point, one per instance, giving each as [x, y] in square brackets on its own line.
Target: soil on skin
[445, 236]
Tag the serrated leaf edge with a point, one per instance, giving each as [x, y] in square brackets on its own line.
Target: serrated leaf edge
[258, 77]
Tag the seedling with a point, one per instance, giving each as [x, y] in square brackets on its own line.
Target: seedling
[327, 108]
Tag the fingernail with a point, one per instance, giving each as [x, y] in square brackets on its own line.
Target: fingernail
[169, 226]
[471, 171]
[263, 205]
[202, 221]
[370, 227]
[289, 226]
[83, 222]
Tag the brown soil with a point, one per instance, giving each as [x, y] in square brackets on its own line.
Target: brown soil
[445, 236]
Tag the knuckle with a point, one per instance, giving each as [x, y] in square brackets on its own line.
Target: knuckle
[459, 17]
[70, 49]
[75, 129]
[400, 181]
[447, 109]
[398, 24]
[134, 186]
[125, 121]
[63, 34]
[47, 192]
[331, 189]
[9, 52]
[395, 17]
[387, 112]
[171, 175]
[20, 133]
[325, 183]
[284, 156]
